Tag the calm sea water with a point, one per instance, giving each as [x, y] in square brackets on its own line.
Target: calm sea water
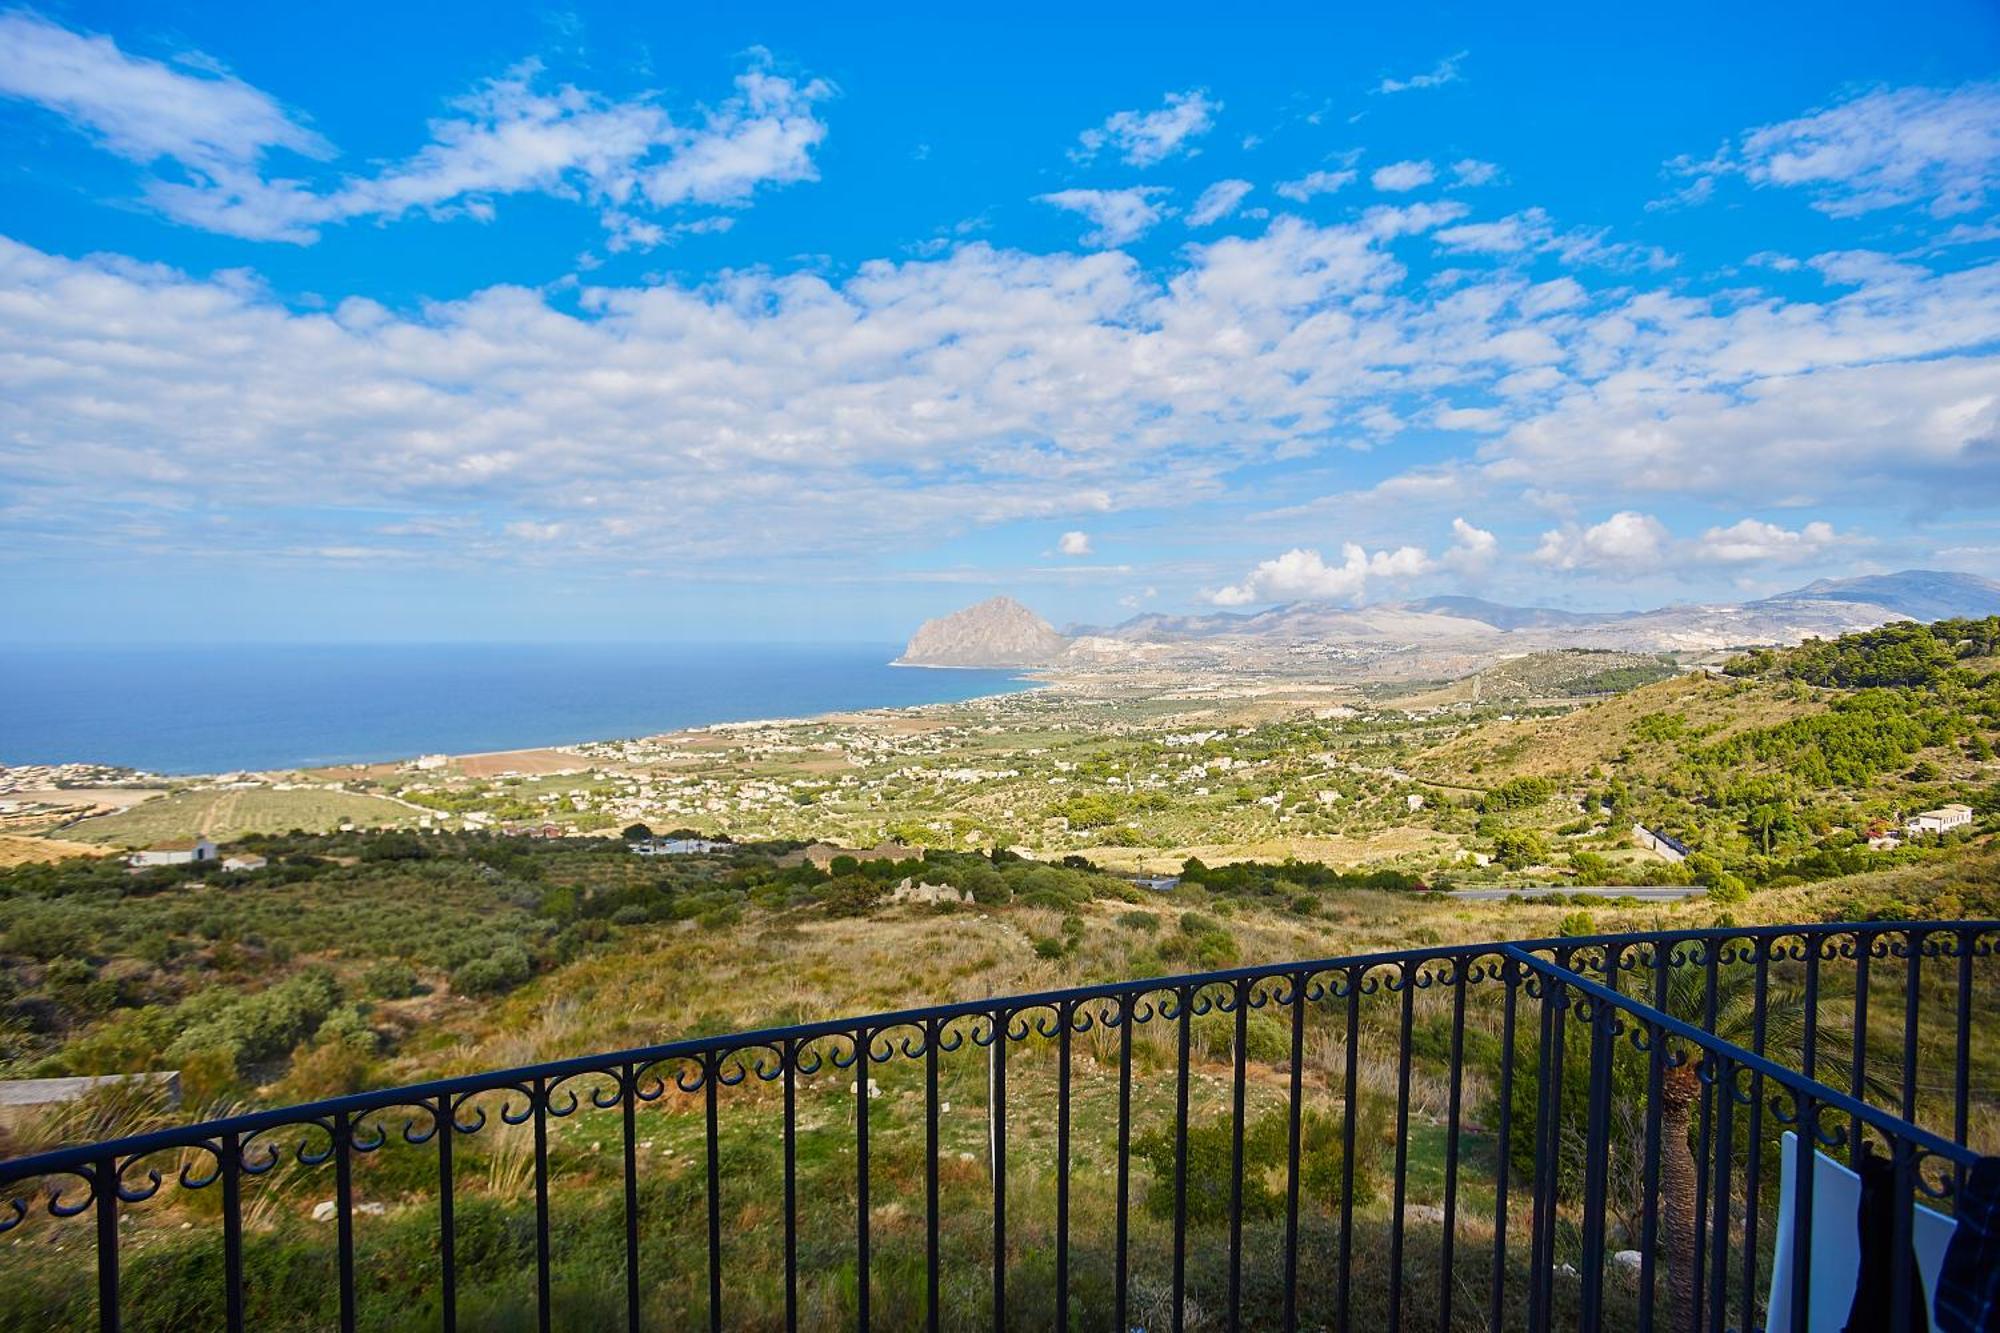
[214, 708]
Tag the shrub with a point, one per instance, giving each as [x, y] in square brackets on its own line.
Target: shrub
[496, 973]
[391, 979]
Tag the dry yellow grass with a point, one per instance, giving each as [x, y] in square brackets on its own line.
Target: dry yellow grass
[1595, 735]
[20, 851]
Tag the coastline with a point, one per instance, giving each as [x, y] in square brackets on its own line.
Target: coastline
[283, 708]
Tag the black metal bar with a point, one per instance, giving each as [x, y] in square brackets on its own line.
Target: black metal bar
[1294, 1124]
[1864, 943]
[711, 1076]
[104, 1186]
[1912, 994]
[1236, 1099]
[933, 1033]
[1447, 1277]
[1539, 1260]
[1183, 1020]
[448, 1214]
[862, 1038]
[1649, 1172]
[343, 1203]
[628, 1113]
[998, 1112]
[1903, 1203]
[1725, 1151]
[1121, 1294]
[1510, 975]
[1753, 1166]
[1704, 1125]
[1410, 972]
[1596, 1160]
[791, 1113]
[232, 1232]
[544, 1293]
[1350, 1090]
[1804, 1164]
[1961, 1101]
[1063, 1016]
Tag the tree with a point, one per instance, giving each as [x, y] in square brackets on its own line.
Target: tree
[1519, 848]
[637, 833]
[1680, 1086]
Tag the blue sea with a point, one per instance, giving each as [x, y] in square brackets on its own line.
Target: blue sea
[215, 708]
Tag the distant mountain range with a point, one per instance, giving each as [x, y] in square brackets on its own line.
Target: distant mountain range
[1002, 632]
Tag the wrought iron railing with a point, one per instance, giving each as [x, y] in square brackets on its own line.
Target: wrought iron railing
[1531, 1112]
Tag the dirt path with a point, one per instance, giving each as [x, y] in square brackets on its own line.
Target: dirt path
[218, 814]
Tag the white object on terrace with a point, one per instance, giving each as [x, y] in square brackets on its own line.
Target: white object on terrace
[1836, 1244]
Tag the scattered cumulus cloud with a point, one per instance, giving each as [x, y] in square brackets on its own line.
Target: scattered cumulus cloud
[1116, 216]
[1445, 71]
[1627, 542]
[974, 386]
[1401, 176]
[1471, 172]
[1938, 149]
[1532, 231]
[1074, 544]
[1218, 201]
[512, 134]
[1753, 542]
[1315, 183]
[1144, 138]
[1303, 574]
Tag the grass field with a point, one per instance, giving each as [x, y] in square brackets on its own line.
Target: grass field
[17, 851]
[231, 814]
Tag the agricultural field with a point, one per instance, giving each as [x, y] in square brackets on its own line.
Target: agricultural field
[232, 812]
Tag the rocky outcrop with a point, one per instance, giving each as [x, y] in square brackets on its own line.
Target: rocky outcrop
[999, 632]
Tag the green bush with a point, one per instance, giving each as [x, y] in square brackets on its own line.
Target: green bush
[498, 972]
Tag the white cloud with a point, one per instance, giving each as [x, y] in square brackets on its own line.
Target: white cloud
[1471, 172]
[1401, 176]
[1146, 138]
[1473, 550]
[1935, 148]
[826, 415]
[1118, 216]
[211, 124]
[508, 136]
[1750, 541]
[1533, 231]
[1218, 201]
[1315, 183]
[1074, 544]
[1303, 574]
[763, 135]
[1445, 71]
[1627, 542]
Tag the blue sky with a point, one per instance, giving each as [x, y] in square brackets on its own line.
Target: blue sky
[575, 323]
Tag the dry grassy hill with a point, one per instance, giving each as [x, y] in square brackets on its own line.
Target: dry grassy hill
[1597, 735]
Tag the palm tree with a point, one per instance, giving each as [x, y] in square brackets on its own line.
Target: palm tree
[1680, 1090]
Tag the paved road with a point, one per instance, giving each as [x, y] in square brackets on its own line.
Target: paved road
[1644, 893]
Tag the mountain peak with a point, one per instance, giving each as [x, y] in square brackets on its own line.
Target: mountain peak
[998, 632]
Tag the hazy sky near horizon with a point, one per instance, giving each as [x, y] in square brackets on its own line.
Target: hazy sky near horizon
[485, 322]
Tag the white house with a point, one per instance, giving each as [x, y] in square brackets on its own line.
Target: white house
[185, 852]
[244, 861]
[1941, 820]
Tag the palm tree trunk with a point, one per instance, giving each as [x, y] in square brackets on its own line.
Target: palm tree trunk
[1679, 1089]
